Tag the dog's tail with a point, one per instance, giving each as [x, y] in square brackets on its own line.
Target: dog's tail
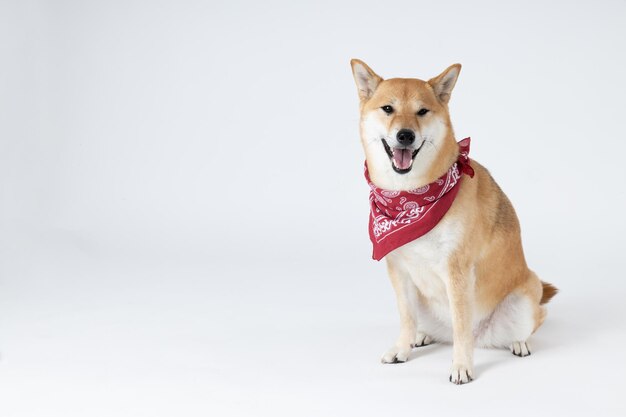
[549, 291]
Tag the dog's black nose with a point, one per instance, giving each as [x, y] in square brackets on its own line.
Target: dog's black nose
[406, 137]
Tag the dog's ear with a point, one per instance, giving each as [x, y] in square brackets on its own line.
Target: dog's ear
[444, 82]
[366, 80]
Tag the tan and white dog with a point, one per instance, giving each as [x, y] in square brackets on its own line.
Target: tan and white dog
[466, 281]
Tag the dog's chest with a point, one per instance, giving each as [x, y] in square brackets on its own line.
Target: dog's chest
[427, 258]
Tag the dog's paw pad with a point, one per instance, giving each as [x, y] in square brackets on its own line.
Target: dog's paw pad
[460, 374]
[520, 349]
[396, 355]
[422, 340]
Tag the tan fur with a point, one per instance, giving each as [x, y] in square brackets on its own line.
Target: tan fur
[549, 291]
[487, 263]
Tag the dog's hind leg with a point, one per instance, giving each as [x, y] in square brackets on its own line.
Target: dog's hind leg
[511, 324]
[422, 339]
[406, 297]
[515, 318]
[520, 349]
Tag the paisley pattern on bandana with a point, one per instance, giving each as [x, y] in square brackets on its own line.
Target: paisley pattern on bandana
[399, 217]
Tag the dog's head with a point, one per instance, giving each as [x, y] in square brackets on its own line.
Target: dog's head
[405, 126]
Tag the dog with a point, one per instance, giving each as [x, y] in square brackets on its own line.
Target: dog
[462, 278]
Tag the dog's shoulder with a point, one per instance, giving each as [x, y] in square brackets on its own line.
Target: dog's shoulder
[483, 199]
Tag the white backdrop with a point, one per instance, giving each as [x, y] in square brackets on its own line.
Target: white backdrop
[183, 213]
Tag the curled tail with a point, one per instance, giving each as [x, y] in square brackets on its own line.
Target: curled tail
[549, 291]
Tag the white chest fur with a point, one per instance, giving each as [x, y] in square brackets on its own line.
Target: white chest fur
[426, 261]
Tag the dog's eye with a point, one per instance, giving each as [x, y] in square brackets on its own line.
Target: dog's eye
[387, 109]
[422, 112]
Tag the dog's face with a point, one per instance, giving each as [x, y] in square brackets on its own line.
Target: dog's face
[404, 123]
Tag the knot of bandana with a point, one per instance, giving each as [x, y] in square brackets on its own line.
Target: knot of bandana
[399, 217]
[464, 161]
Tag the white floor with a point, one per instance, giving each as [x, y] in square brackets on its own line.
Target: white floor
[86, 331]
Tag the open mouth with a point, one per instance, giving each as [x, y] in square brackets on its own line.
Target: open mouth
[401, 158]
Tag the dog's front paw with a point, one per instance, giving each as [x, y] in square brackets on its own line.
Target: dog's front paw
[461, 374]
[396, 355]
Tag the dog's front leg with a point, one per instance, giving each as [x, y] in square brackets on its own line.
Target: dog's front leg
[460, 288]
[406, 296]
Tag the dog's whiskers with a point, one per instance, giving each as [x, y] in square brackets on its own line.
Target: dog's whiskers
[431, 143]
[373, 140]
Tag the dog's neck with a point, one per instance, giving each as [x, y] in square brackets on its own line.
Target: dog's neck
[431, 163]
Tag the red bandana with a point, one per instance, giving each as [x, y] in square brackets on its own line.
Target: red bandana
[399, 217]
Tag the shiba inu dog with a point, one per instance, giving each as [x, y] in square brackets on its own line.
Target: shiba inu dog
[464, 280]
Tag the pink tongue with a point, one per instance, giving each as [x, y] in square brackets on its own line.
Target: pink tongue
[402, 158]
